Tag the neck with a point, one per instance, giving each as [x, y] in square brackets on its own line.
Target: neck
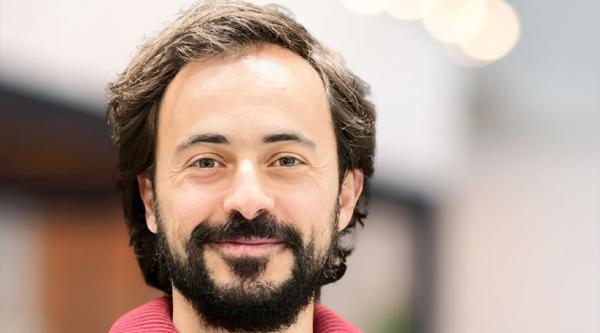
[186, 320]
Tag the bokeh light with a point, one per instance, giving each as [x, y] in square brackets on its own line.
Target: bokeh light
[477, 32]
[411, 10]
[497, 37]
[456, 21]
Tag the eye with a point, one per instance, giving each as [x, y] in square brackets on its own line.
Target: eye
[287, 162]
[207, 163]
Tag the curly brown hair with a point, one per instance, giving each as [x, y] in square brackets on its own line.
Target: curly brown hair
[220, 29]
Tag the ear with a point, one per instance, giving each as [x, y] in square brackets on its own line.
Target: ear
[350, 192]
[147, 195]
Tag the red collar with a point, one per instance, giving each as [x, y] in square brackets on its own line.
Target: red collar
[155, 316]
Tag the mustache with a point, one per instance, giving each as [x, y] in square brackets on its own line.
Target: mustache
[236, 226]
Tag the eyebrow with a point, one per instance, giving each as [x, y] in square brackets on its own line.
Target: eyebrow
[202, 138]
[221, 139]
[282, 137]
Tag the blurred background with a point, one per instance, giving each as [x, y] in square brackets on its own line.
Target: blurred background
[485, 213]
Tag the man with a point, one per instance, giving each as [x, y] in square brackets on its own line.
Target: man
[245, 151]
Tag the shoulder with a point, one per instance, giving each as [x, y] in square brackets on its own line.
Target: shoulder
[154, 316]
[326, 321]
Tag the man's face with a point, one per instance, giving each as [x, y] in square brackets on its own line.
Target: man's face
[246, 154]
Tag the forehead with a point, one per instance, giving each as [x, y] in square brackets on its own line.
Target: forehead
[266, 89]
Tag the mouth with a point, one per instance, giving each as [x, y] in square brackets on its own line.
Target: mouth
[251, 247]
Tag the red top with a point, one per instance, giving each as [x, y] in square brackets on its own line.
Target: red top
[155, 317]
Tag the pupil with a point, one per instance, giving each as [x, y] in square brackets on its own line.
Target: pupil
[207, 163]
[288, 161]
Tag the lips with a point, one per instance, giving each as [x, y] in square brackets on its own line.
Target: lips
[248, 247]
[252, 241]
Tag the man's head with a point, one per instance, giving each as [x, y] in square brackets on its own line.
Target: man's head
[244, 148]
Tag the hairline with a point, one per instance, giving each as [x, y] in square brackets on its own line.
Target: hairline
[232, 55]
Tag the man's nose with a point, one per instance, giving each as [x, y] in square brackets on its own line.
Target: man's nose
[247, 195]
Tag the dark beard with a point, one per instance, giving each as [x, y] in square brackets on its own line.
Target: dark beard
[252, 305]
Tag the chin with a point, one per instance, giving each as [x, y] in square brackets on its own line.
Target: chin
[249, 272]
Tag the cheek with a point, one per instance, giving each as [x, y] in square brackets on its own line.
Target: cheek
[187, 205]
[308, 207]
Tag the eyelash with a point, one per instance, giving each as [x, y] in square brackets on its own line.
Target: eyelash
[216, 164]
[198, 161]
[297, 161]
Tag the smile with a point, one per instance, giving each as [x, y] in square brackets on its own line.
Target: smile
[254, 247]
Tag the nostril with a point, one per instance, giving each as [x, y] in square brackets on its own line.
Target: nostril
[261, 212]
[250, 207]
[241, 217]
